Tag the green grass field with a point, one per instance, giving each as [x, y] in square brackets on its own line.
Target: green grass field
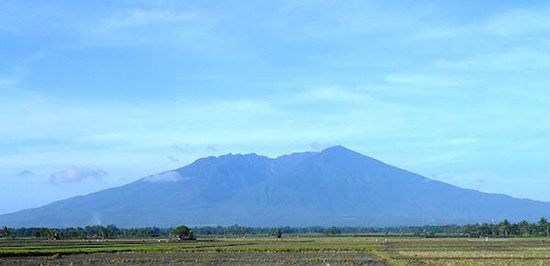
[289, 250]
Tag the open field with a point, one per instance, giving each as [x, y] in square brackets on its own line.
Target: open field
[290, 250]
[519, 251]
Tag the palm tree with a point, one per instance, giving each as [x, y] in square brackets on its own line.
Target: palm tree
[505, 227]
[544, 225]
[524, 227]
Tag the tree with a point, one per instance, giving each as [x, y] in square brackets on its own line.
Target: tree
[183, 232]
[504, 227]
[544, 227]
[471, 230]
[278, 233]
[335, 231]
[49, 233]
[485, 229]
[5, 232]
[524, 227]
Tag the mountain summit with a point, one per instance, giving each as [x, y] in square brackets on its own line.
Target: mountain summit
[337, 186]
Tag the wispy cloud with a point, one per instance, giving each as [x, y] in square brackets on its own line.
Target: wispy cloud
[505, 24]
[318, 146]
[516, 60]
[171, 176]
[7, 83]
[138, 18]
[431, 34]
[76, 174]
[421, 80]
[518, 21]
[462, 141]
[24, 173]
[186, 148]
[181, 151]
[330, 94]
[167, 27]
[173, 159]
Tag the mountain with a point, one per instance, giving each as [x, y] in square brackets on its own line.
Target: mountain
[334, 187]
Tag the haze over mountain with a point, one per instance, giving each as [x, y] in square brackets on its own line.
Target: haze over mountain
[334, 187]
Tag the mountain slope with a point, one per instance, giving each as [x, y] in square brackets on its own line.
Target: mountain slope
[334, 187]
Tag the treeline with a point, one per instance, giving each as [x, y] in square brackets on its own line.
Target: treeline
[502, 229]
[319, 230]
[505, 228]
[88, 232]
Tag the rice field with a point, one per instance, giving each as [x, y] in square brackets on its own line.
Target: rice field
[289, 250]
[463, 251]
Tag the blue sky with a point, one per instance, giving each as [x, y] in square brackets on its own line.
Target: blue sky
[97, 94]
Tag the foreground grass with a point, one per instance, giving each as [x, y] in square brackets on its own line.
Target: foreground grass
[255, 250]
[519, 251]
[290, 250]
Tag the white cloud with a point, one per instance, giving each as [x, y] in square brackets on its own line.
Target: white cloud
[430, 34]
[462, 141]
[421, 80]
[7, 83]
[318, 146]
[532, 144]
[512, 60]
[171, 176]
[511, 22]
[136, 18]
[518, 21]
[173, 158]
[147, 26]
[331, 94]
[76, 174]
[186, 148]
[121, 125]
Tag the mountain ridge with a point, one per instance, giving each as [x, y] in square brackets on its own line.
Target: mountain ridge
[336, 186]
